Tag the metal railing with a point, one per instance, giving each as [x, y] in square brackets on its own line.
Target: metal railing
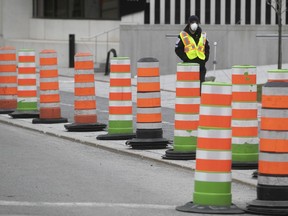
[107, 66]
[96, 39]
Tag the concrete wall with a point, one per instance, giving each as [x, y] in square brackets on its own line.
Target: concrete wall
[16, 16]
[136, 19]
[59, 29]
[235, 45]
[54, 34]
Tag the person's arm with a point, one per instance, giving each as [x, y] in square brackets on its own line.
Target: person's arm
[207, 50]
[179, 50]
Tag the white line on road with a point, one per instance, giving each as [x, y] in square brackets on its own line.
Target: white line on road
[84, 204]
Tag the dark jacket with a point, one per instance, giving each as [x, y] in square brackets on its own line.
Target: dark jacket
[179, 49]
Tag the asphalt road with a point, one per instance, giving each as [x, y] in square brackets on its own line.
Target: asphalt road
[45, 175]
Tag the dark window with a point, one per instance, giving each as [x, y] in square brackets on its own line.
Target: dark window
[126, 6]
[258, 12]
[167, 11]
[218, 12]
[207, 12]
[286, 21]
[197, 9]
[238, 12]
[248, 12]
[79, 9]
[157, 12]
[177, 11]
[228, 12]
[187, 10]
[147, 13]
[268, 13]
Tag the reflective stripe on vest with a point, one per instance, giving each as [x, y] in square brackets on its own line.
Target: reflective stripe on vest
[191, 49]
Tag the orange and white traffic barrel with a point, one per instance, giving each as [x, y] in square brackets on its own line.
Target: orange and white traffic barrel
[212, 187]
[120, 123]
[8, 80]
[272, 187]
[186, 113]
[50, 110]
[27, 86]
[245, 141]
[149, 133]
[85, 116]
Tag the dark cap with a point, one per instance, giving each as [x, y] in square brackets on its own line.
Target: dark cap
[193, 19]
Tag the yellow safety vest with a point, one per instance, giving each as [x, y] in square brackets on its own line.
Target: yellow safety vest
[191, 49]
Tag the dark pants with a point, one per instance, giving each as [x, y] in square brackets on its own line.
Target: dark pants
[202, 75]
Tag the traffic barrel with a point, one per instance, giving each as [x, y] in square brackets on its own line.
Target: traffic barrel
[245, 141]
[8, 80]
[149, 133]
[120, 123]
[27, 87]
[186, 113]
[212, 186]
[50, 110]
[85, 116]
[272, 185]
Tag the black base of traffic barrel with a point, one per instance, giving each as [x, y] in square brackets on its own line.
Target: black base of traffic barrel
[244, 165]
[171, 154]
[203, 209]
[268, 207]
[116, 136]
[77, 127]
[148, 139]
[6, 111]
[49, 121]
[157, 143]
[24, 114]
[272, 193]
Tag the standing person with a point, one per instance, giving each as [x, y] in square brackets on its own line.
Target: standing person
[192, 45]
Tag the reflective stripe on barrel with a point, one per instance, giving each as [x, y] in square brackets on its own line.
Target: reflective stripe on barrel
[278, 75]
[215, 96]
[275, 95]
[274, 141]
[274, 119]
[243, 75]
